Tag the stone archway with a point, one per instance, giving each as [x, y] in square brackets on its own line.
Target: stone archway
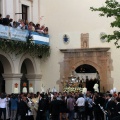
[88, 76]
[5, 68]
[27, 67]
[32, 71]
[99, 58]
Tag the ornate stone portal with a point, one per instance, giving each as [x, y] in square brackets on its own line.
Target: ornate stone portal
[99, 58]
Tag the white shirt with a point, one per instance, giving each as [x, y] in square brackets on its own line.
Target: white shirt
[3, 103]
[80, 101]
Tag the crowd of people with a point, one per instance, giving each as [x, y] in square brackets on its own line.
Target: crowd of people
[60, 106]
[23, 24]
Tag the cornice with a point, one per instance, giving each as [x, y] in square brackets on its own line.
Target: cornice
[98, 49]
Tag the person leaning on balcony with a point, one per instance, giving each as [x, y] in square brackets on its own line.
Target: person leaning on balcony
[46, 31]
[22, 25]
[31, 26]
[37, 27]
[1, 20]
[6, 20]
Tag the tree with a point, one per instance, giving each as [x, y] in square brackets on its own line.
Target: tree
[111, 9]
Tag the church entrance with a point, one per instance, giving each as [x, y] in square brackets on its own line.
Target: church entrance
[88, 76]
[88, 60]
[2, 81]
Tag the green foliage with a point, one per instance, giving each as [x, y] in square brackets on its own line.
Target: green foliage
[111, 9]
[19, 47]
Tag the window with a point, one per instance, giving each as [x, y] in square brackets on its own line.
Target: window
[24, 12]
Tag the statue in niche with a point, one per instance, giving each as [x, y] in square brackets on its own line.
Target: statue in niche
[96, 87]
[85, 40]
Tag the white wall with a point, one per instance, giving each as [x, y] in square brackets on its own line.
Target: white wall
[0, 6]
[74, 18]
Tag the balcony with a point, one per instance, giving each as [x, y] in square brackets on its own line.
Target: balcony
[24, 41]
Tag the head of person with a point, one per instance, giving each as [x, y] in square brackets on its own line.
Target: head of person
[8, 16]
[24, 98]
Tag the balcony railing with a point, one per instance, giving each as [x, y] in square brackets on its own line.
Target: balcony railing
[24, 41]
[23, 35]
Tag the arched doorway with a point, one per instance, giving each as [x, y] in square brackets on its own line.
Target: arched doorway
[2, 81]
[26, 68]
[6, 67]
[99, 58]
[88, 75]
[24, 81]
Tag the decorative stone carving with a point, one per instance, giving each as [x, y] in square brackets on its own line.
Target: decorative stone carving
[85, 40]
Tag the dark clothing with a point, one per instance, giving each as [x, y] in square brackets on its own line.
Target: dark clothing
[111, 108]
[1, 21]
[63, 106]
[23, 110]
[99, 115]
[117, 109]
[41, 110]
[55, 109]
[6, 21]
[3, 110]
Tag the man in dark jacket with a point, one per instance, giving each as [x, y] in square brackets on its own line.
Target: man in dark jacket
[6, 21]
[55, 108]
[23, 108]
[41, 108]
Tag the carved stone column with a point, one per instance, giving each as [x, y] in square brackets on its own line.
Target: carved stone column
[35, 80]
[10, 81]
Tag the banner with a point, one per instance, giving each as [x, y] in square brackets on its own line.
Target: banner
[22, 35]
[18, 34]
[4, 32]
[40, 38]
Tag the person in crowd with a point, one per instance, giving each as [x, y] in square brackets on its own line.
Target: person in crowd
[111, 106]
[21, 25]
[23, 108]
[47, 99]
[42, 29]
[31, 106]
[14, 24]
[13, 106]
[18, 22]
[1, 20]
[3, 105]
[117, 106]
[81, 107]
[41, 108]
[31, 27]
[37, 27]
[55, 108]
[46, 31]
[11, 23]
[89, 106]
[70, 106]
[7, 106]
[63, 108]
[6, 20]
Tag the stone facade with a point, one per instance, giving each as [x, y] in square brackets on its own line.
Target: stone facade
[99, 58]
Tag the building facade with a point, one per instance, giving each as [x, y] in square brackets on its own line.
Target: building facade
[17, 69]
[82, 45]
